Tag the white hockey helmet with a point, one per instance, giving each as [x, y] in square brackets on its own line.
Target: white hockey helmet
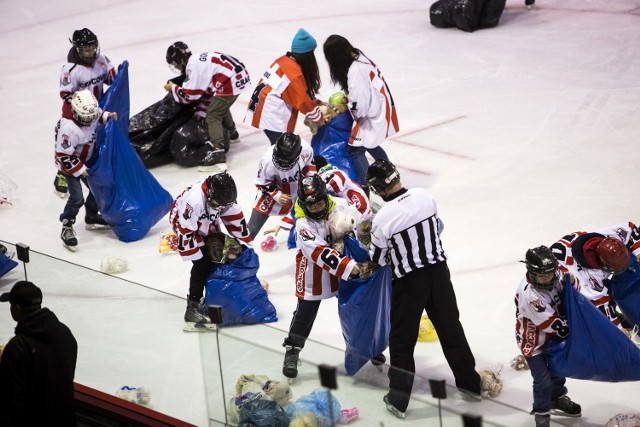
[85, 107]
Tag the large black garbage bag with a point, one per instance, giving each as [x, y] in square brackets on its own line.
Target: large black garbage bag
[151, 130]
[190, 144]
[467, 15]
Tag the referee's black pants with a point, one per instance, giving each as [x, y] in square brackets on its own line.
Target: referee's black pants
[427, 289]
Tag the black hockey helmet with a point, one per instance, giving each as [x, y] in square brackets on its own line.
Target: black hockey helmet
[313, 197]
[286, 151]
[542, 267]
[86, 46]
[178, 55]
[221, 191]
[380, 175]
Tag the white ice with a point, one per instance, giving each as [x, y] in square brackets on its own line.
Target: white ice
[522, 133]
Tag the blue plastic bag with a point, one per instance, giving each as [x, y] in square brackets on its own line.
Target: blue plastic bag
[364, 309]
[262, 413]
[626, 292]
[323, 405]
[595, 348]
[236, 288]
[331, 143]
[128, 196]
[6, 264]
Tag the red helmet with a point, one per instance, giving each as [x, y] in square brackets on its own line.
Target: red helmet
[613, 255]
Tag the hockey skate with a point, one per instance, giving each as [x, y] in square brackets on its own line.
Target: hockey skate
[529, 3]
[95, 222]
[291, 362]
[395, 411]
[565, 407]
[195, 320]
[214, 169]
[378, 361]
[68, 235]
[543, 420]
[60, 185]
[469, 396]
[234, 137]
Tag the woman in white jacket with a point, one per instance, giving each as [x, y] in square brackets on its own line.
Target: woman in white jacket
[369, 101]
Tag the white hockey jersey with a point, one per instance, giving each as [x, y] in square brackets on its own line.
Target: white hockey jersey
[273, 182]
[538, 316]
[318, 266]
[339, 184]
[75, 144]
[78, 76]
[211, 74]
[192, 218]
[593, 280]
[371, 104]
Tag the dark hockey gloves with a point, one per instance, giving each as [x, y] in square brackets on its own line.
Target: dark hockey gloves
[363, 270]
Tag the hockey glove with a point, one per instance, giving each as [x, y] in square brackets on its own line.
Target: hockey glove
[364, 270]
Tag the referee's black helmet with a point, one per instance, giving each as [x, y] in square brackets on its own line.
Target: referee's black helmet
[381, 175]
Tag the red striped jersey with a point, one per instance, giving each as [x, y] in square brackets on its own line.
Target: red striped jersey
[211, 74]
[78, 76]
[192, 218]
[318, 266]
[593, 280]
[371, 104]
[75, 144]
[339, 184]
[273, 182]
[279, 96]
[538, 316]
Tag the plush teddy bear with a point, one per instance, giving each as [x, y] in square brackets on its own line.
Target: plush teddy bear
[342, 223]
[250, 387]
[113, 264]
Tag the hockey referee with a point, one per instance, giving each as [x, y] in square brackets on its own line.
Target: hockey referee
[405, 235]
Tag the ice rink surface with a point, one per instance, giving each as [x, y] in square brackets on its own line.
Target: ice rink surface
[522, 133]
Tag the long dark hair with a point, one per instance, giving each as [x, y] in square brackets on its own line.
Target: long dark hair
[340, 54]
[309, 66]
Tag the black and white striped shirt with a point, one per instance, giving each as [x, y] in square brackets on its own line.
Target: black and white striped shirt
[404, 233]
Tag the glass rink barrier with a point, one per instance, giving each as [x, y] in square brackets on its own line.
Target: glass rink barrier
[130, 335]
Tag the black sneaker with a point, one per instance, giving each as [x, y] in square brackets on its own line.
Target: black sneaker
[395, 411]
[565, 407]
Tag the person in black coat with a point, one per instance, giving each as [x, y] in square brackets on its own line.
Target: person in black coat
[38, 365]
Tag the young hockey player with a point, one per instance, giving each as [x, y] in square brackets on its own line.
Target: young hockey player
[289, 86]
[369, 101]
[197, 213]
[75, 147]
[596, 258]
[215, 80]
[539, 317]
[86, 68]
[338, 184]
[405, 233]
[319, 267]
[279, 171]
